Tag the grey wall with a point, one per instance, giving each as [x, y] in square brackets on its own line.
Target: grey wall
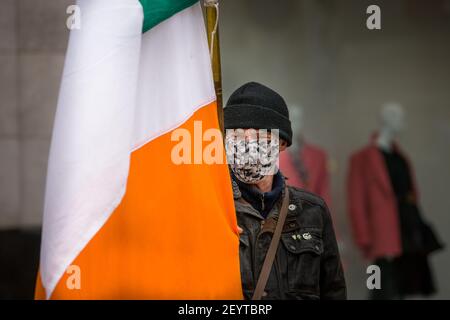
[33, 38]
[316, 53]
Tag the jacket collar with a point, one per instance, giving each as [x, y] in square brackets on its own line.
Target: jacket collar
[244, 206]
[373, 143]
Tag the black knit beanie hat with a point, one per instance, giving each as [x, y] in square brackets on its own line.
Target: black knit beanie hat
[256, 106]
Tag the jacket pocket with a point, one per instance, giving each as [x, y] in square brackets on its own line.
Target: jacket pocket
[303, 250]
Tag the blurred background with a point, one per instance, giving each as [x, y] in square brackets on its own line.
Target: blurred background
[316, 53]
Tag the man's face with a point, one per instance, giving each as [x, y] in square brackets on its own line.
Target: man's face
[253, 154]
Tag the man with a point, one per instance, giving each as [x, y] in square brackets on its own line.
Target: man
[305, 263]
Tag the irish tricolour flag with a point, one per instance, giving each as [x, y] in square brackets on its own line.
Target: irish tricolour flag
[121, 219]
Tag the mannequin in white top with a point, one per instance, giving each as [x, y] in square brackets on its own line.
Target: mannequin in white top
[392, 122]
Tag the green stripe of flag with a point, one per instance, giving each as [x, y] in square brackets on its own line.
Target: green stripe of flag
[156, 11]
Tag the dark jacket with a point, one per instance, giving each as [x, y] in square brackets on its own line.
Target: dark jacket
[307, 264]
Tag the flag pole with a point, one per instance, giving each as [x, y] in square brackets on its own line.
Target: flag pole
[212, 28]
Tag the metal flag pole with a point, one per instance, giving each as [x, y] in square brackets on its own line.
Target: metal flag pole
[212, 28]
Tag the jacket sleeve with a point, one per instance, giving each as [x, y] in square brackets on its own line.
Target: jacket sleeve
[357, 204]
[332, 280]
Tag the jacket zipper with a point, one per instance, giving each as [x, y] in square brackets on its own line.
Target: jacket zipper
[262, 202]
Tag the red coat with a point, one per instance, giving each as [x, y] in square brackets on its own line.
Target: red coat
[372, 203]
[316, 163]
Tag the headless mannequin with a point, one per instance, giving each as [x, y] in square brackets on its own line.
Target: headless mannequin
[297, 123]
[306, 164]
[297, 116]
[392, 118]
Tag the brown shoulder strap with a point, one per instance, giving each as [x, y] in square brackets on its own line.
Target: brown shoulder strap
[270, 256]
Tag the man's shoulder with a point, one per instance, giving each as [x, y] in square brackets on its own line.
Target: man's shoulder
[314, 210]
[306, 197]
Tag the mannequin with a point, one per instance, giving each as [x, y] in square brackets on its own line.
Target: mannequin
[297, 123]
[392, 122]
[384, 211]
[305, 165]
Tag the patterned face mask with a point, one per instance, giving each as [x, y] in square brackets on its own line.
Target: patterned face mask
[251, 159]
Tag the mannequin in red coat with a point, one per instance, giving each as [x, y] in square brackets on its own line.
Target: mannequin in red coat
[306, 165]
[371, 201]
[385, 215]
